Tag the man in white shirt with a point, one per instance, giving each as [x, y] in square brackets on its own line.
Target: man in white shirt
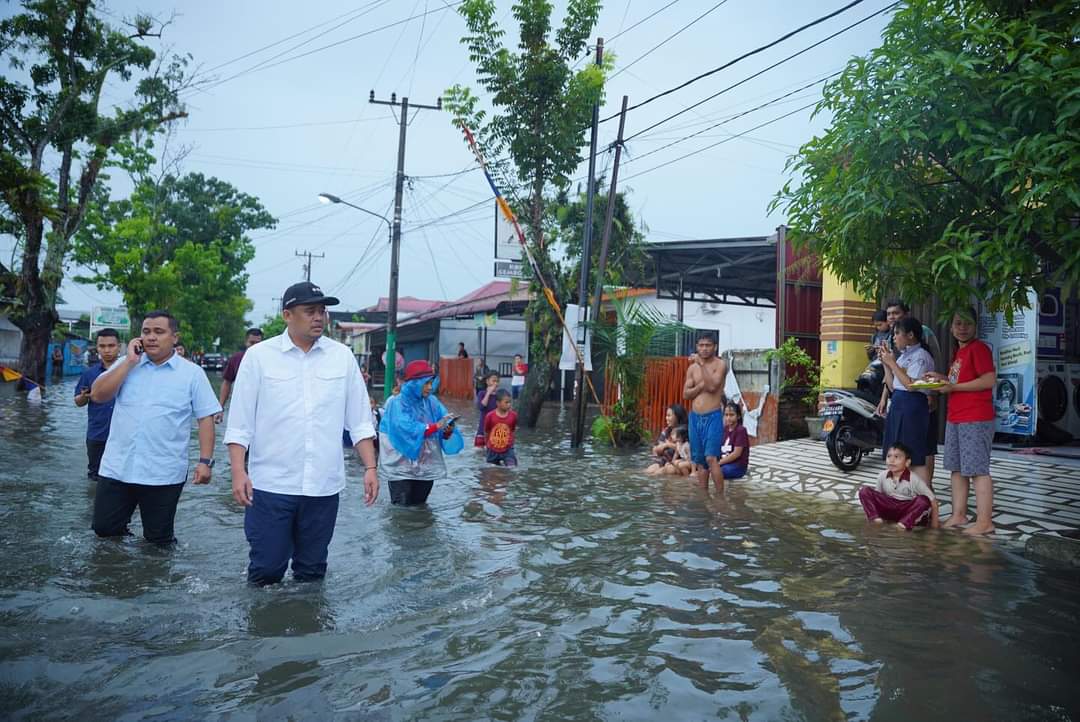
[293, 395]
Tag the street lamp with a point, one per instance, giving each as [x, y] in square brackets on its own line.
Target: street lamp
[391, 314]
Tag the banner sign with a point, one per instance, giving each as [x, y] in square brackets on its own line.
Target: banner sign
[509, 269]
[110, 317]
[568, 360]
[1014, 346]
[507, 245]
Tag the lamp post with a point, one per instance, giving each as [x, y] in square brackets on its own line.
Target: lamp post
[391, 315]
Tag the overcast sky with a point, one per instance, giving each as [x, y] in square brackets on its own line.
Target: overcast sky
[329, 138]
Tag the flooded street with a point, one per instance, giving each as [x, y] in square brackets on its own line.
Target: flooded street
[573, 587]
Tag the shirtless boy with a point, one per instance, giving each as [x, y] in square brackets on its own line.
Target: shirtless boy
[705, 389]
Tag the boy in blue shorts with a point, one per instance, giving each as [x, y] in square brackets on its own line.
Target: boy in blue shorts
[704, 388]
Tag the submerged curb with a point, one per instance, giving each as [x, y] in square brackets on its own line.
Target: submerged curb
[1062, 549]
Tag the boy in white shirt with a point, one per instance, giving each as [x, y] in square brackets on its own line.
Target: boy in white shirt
[899, 495]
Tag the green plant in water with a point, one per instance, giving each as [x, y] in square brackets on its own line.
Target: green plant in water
[626, 344]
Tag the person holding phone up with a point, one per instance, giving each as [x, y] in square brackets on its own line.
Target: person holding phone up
[415, 432]
[145, 463]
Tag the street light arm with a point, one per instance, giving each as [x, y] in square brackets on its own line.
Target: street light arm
[329, 198]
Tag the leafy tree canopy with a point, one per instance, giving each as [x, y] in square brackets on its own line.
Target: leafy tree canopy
[179, 243]
[952, 163]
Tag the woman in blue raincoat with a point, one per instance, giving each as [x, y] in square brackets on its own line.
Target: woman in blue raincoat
[414, 433]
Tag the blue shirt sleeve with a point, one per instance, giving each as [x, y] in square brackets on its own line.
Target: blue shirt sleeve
[203, 401]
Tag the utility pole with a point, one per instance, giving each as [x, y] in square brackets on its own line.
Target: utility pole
[307, 266]
[586, 259]
[395, 237]
[609, 213]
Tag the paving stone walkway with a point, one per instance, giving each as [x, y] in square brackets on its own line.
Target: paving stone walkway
[1030, 495]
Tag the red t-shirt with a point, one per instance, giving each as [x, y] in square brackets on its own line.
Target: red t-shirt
[499, 431]
[232, 366]
[971, 362]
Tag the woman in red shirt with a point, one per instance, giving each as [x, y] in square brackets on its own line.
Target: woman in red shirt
[970, 428]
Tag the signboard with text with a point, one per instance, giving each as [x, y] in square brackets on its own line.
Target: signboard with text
[109, 317]
[1014, 346]
[509, 269]
[507, 246]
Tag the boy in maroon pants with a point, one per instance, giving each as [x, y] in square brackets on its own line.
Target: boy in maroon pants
[899, 496]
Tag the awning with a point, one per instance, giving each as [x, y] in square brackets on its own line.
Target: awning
[740, 271]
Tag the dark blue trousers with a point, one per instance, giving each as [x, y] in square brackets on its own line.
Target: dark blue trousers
[280, 527]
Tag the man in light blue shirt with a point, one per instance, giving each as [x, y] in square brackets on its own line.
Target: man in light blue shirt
[145, 463]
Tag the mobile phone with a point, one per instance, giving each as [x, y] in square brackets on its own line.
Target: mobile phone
[138, 349]
[453, 419]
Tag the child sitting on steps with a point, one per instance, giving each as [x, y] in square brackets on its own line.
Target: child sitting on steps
[899, 496]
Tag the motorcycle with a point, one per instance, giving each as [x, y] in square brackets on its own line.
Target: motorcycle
[852, 429]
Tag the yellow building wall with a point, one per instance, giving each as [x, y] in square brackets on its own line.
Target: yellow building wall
[846, 327]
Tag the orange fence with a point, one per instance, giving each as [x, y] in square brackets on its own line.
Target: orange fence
[456, 377]
[664, 379]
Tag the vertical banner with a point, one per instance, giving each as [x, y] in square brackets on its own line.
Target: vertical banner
[1014, 346]
[568, 360]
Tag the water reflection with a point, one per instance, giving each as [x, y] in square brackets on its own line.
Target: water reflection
[572, 587]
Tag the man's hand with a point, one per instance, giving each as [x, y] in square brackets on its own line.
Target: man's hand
[202, 474]
[241, 488]
[134, 349]
[219, 417]
[83, 397]
[695, 359]
[371, 487]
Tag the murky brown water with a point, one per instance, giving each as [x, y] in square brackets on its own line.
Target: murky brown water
[570, 588]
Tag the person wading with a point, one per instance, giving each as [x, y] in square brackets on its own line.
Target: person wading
[98, 415]
[414, 433]
[704, 389]
[293, 395]
[232, 367]
[145, 462]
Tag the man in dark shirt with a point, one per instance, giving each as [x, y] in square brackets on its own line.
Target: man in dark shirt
[98, 416]
[252, 337]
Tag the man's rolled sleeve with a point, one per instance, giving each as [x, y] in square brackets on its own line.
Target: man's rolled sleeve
[358, 418]
[241, 423]
[203, 400]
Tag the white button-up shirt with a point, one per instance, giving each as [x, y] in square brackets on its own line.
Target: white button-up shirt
[151, 423]
[289, 408]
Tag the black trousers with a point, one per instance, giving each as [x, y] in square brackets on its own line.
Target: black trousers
[94, 450]
[115, 502]
[409, 492]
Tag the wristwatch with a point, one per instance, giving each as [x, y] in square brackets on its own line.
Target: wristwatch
[208, 462]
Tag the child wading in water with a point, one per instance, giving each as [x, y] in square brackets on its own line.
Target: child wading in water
[680, 463]
[485, 402]
[499, 428]
[899, 496]
[735, 450]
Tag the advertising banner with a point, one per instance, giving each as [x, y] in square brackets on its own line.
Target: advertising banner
[568, 361]
[109, 317]
[1014, 346]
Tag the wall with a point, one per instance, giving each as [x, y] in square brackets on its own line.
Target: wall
[736, 326]
[845, 330]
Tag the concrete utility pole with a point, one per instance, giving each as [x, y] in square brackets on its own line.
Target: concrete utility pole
[395, 238]
[307, 266]
[586, 259]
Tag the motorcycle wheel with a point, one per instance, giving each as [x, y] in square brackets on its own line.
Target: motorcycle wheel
[843, 454]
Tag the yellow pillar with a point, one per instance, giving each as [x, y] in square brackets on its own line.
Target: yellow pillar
[845, 330]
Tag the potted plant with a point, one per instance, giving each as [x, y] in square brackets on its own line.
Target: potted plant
[800, 380]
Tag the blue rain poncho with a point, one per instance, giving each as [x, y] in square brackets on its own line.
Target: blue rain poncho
[404, 451]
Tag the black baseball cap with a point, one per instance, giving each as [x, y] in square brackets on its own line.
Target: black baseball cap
[304, 293]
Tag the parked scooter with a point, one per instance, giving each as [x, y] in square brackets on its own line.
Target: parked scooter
[852, 428]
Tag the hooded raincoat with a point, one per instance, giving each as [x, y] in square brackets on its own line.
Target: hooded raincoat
[404, 452]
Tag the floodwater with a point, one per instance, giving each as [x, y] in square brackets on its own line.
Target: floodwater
[571, 588]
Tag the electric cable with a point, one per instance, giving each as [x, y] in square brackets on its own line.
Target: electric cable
[666, 40]
[740, 58]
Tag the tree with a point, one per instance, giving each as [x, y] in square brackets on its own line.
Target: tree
[178, 243]
[50, 118]
[273, 325]
[952, 163]
[544, 107]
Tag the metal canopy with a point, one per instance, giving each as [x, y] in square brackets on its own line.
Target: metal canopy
[739, 271]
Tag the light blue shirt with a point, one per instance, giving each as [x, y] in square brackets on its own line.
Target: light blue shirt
[151, 422]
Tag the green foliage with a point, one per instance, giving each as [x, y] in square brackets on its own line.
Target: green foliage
[178, 243]
[542, 108]
[626, 345]
[952, 163]
[799, 369]
[55, 141]
[273, 325]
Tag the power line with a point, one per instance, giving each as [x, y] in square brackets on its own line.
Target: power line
[335, 44]
[725, 140]
[748, 54]
[666, 40]
[762, 71]
[623, 32]
[280, 127]
[735, 117]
